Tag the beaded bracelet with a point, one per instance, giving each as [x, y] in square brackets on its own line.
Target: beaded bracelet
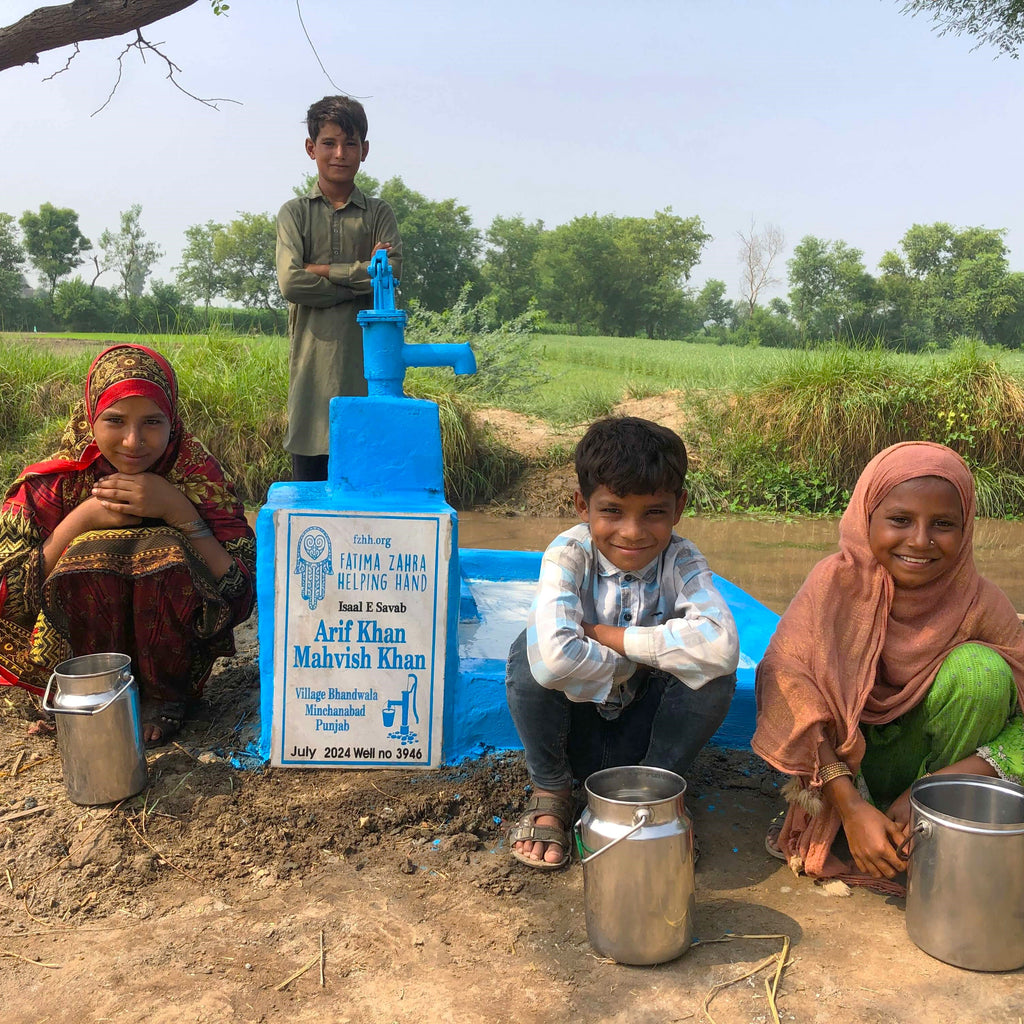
[194, 529]
[836, 770]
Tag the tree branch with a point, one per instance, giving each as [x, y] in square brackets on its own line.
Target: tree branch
[49, 28]
[142, 44]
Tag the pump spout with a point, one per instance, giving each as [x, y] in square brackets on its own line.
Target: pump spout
[459, 357]
[385, 351]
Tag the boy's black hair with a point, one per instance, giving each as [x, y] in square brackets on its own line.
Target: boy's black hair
[629, 455]
[343, 111]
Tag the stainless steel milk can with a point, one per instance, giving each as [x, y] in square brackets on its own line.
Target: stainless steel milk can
[965, 879]
[99, 729]
[636, 843]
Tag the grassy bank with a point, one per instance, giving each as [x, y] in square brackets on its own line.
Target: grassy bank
[797, 436]
[770, 430]
[233, 397]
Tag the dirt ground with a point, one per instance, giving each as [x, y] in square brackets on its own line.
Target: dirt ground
[199, 898]
[546, 488]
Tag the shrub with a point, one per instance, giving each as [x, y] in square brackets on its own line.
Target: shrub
[798, 437]
[505, 357]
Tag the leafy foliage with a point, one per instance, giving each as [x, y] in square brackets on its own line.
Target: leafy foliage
[200, 275]
[622, 275]
[831, 293]
[84, 307]
[129, 254]
[1000, 23]
[951, 281]
[510, 264]
[506, 360]
[439, 245]
[244, 253]
[12, 257]
[53, 242]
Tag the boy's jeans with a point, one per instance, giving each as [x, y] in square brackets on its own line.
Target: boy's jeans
[665, 726]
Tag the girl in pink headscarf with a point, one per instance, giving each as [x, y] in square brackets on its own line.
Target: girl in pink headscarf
[894, 660]
[127, 539]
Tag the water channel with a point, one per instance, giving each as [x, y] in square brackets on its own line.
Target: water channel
[769, 560]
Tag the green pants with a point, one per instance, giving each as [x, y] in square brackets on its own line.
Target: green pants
[969, 704]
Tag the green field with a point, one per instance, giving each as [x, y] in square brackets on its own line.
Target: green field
[588, 375]
[774, 430]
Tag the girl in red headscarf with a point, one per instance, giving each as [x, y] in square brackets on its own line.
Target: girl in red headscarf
[127, 539]
[894, 660]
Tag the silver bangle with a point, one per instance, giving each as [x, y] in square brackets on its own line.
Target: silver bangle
[194, 529]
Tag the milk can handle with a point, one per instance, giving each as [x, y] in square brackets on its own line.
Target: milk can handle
[82, 711]
[641, 816]
[923, 829]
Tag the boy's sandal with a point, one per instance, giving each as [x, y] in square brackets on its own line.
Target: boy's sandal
[771, 840]
[527, 830]
[165, 715]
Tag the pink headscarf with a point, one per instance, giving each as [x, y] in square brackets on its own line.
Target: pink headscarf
[852, 647]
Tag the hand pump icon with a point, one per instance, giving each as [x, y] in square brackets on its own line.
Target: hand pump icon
[407, 703]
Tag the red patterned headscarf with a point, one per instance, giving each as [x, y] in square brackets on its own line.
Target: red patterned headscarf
[130, 371]
[120, 371]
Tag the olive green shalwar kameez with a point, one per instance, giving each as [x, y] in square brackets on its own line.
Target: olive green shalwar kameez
[326, 341]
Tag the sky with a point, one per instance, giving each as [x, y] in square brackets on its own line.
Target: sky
[844, 120]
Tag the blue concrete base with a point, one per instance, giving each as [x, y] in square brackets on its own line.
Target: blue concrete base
[492, 600]
[385, 459]
[476, 714]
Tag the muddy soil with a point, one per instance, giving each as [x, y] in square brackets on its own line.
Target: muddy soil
[547, 485]
[198, 899]
[205, 897]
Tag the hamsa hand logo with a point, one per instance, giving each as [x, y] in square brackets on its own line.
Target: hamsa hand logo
[313, 563]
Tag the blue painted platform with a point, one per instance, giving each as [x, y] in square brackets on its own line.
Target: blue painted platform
[385, 461]
[496, 590]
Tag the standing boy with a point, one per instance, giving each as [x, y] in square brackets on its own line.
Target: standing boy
[325, 240]
[630, 652]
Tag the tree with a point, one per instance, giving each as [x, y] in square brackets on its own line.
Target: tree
[439, 245]
[622, 275]
[713, 308]
[510, 264]
[574, 261]
[163, 309]
[53, 241]
[949, 281]
[758, 251]
[49, 28]
[244, 253]
[831, 293]
[129, 254]
[83, 307]
[199, 274]
[654, 258]
[764, 325]
[12, 257]
[999, 23]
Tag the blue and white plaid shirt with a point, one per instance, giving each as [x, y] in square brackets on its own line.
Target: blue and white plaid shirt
[676, 621]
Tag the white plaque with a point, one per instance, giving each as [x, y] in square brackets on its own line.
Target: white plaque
[359, 638]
